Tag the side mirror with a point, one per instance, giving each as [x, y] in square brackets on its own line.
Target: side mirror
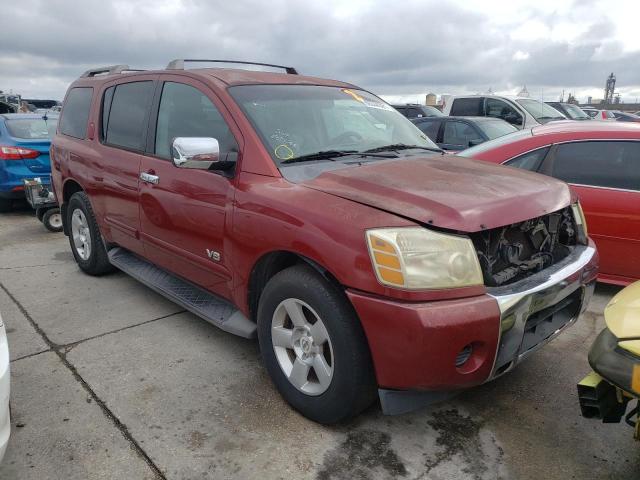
[474, 142]
[202, 153]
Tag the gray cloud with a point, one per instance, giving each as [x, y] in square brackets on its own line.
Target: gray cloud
[401, 48]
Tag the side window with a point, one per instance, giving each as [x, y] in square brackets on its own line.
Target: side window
[186, 112]
[415, 113]
[530, 160]
[467, 107]
[459, 133]
[75, 113]
[600, 164]
[127, 115]
[430, 128]
[500, 109]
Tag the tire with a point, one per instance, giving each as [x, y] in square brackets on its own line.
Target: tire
[5, 205]
[40, 213]
[90, 252]
[52, 220]
[351, 386]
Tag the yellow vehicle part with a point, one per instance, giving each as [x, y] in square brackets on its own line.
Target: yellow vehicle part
[622, 316]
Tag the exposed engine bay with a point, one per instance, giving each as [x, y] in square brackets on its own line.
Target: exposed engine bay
[510, 253]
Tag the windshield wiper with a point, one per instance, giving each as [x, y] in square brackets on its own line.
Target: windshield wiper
[402, 146]
[332, 155]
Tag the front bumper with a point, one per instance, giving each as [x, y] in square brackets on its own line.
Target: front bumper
[5, 422]
[414, 346]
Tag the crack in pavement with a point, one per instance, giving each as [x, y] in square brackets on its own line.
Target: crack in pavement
[61, 353]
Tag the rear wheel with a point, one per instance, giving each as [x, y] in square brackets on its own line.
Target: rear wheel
[313, 346]
[52, 220]
[84, 237]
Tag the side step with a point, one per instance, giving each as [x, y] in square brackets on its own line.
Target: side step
[198, 301]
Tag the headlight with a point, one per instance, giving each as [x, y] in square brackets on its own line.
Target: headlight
[581, 220]
[418, 259]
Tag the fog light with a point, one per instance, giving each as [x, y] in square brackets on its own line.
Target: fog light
[464, 355]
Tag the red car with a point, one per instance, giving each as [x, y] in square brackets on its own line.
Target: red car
[601, 162]
[311, 214]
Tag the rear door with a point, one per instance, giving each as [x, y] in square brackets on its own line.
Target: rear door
[184, 214]
[123, 131]
[606, 176]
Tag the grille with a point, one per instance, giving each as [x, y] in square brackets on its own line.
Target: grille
[512, 252]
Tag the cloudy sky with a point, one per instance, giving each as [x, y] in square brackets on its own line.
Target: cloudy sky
[400, 50]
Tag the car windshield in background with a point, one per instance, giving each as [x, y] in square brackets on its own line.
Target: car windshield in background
[542, 112]
[491, 144]
[496, 128]
[302, 120]
[575, 113]
[32, 128]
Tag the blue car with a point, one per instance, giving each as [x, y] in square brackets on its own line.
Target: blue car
[25, 139]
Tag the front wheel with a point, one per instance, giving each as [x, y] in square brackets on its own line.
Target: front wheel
[313, 346]
[52, 220]
[84, 237]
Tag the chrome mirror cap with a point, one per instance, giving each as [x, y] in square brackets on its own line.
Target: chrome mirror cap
[195, 152]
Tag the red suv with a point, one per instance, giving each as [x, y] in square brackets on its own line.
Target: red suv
[311, 214]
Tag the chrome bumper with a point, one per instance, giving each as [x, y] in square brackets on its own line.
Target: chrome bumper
[534, 310]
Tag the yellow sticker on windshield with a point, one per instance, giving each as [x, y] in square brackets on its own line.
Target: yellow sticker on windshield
[635, 379]
[283, 152]
[353, 94]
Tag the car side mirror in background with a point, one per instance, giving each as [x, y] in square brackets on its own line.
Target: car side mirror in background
[201, 153]
[473, 143]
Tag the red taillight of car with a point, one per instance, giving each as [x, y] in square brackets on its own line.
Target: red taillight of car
[17, 153]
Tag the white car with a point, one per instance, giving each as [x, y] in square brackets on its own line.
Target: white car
[602, 115]
[521, 112]
[5, 422]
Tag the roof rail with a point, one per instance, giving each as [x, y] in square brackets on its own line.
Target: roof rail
[109, 70]
[178, 64]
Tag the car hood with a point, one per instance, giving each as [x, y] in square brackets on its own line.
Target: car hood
[447, 191]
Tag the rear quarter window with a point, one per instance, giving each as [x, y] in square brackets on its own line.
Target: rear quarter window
[75, 113]
[467, 107]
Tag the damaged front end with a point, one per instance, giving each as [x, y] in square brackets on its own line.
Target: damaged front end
[512, 252]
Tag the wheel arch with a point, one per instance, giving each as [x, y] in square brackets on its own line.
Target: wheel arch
[69, 187]
[273, 262]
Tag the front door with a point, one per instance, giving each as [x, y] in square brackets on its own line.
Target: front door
[184, 212]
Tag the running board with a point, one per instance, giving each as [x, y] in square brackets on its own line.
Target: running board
[210, 307]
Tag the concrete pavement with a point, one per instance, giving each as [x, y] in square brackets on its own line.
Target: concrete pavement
[110, 380]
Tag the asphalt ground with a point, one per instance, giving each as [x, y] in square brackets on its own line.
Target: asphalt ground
[112, 381]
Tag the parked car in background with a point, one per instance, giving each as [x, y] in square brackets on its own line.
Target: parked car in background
[206, 184]
[625, 116]
[457, 133]
[25, 139]
[415, 110]
[5, 387]
[569, 110]
[601, 161]
[43, 104]
[597, 114]
[518, 111]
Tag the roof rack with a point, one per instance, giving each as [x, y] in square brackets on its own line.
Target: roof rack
[109, 70]
[178, 64]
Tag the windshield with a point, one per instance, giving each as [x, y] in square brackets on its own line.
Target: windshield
[575, 112]
[496, 128]
[491, 144]
[540, 111]
[301, 120]
[32, 128]
[432, 111]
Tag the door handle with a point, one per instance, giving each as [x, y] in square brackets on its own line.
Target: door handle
[149, 178]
